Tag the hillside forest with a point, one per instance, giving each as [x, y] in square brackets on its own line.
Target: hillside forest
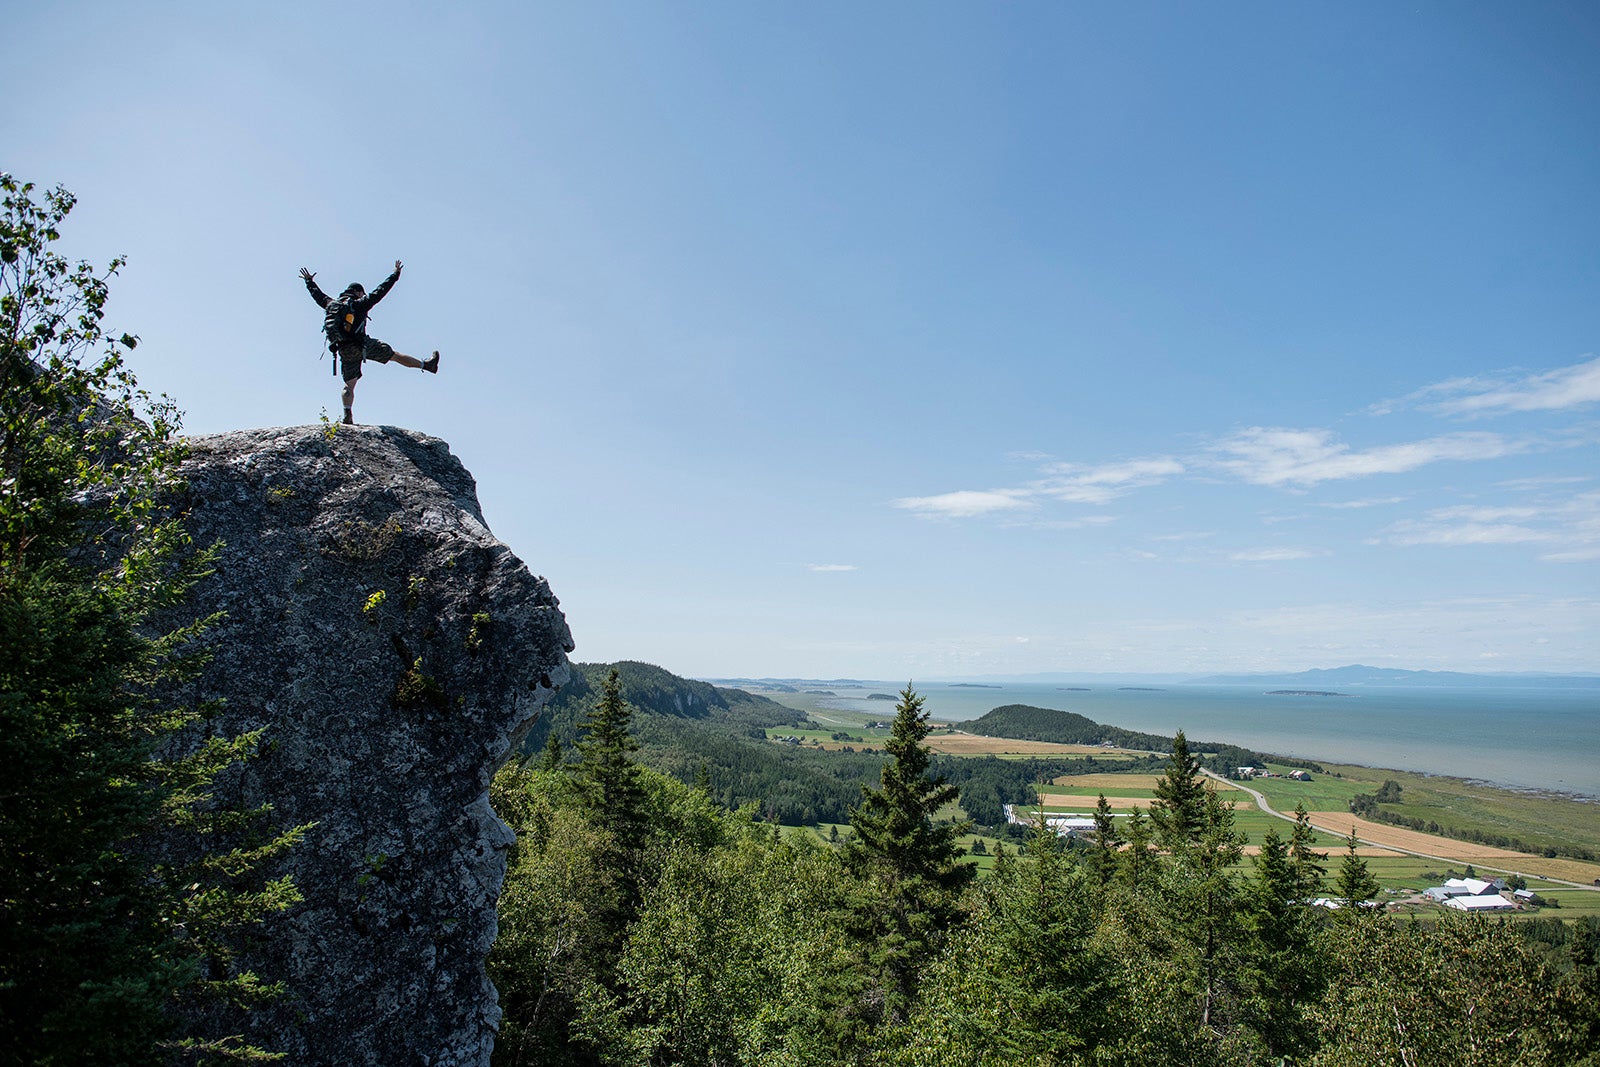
[644, 922]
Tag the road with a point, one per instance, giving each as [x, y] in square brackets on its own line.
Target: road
[1262, 803]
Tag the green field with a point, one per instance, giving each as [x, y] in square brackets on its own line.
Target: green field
[1400, 875]
[1534, 819]
[1538, 819]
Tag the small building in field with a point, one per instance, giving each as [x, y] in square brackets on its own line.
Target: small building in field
[1486, 902]
[1464, 887]
[1300, 776]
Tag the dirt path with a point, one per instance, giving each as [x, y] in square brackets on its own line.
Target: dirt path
[1411, 843]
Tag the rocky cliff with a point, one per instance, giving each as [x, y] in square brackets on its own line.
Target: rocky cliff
[395, 653]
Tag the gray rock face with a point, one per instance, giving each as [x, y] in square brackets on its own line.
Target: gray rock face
[395, 652]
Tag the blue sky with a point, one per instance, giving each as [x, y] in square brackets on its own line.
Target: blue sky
[904, 340]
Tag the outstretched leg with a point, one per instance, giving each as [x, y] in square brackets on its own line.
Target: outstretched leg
[430, 365]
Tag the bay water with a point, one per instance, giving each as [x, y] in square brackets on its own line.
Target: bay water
[1528, 738]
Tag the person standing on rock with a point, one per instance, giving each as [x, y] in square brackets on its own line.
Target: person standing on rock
[344, 321]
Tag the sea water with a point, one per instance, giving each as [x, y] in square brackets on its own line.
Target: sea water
[1531, 738]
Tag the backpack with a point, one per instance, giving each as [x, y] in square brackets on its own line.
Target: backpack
[339, 323]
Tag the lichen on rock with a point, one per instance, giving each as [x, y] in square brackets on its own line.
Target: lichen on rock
[395, 653]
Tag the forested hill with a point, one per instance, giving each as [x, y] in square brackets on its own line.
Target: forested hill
[685, 727]
[650, 688]
[1023, 722]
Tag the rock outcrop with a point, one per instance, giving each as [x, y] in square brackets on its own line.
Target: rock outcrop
[395, 653]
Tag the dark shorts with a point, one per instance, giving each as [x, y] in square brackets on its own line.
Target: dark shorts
[351, 356]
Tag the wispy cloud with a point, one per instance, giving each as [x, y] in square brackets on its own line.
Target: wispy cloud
[1298, 458]
[1081, 523]
[1368, 502]
[1556, 390]
[1571, 528]
[830, 568]
[1081, 484]
[1067, 482]
[1544, 482]
[965, 503]
[1272, 555]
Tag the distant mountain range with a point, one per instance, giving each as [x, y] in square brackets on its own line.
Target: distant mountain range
[1357, 674]
[1319, 678]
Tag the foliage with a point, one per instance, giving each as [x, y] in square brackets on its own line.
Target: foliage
[752, 946]
[1461, 991]
[1355, 884]
[1179, 808]
[1026, 723]
[125, 890]
[911, 860]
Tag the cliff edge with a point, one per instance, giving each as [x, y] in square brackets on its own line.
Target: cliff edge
[395, 653]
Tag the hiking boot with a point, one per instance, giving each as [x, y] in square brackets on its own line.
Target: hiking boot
[349, 417]
[431, 365]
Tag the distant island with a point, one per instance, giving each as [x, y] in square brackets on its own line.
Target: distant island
[1139, 689]
[1073, 689]
[973, 685]
[881, 696]
[1303, 693]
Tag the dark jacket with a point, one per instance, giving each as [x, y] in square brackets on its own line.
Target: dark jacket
[358, 306]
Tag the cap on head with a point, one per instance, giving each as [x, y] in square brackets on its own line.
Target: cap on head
[353, 289]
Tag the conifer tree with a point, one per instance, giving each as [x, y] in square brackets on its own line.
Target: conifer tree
[1179, 808]
[606, 769]
[1355, 883]
[913, 862]
[1309, 866]
[1138, 865]
[123, 886]
[1103, 858]
[551, 759]
[1284, 973]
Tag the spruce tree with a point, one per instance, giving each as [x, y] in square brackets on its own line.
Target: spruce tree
[1179, 808]
[613, 792]
[609, 777]
[1138, 864]
[1107, 842]
[1355, 883]
[1283, 973]
[1308, 865]
[912, 862]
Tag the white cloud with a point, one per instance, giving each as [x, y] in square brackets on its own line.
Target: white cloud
[1542, 482]
[1566, 387]
[1284, 457]
[1079, 484]
[1085, 522]
[1576, 555]
[1556, 390]
[1368, 502]
[965, 503]
[830, 568]
[1067, 482]
[1571, 527]
[1271, 555]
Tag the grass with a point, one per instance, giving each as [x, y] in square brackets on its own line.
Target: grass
[1539, 820]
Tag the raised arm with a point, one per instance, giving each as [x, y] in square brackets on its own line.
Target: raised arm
[383, 290]
[311, 286]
